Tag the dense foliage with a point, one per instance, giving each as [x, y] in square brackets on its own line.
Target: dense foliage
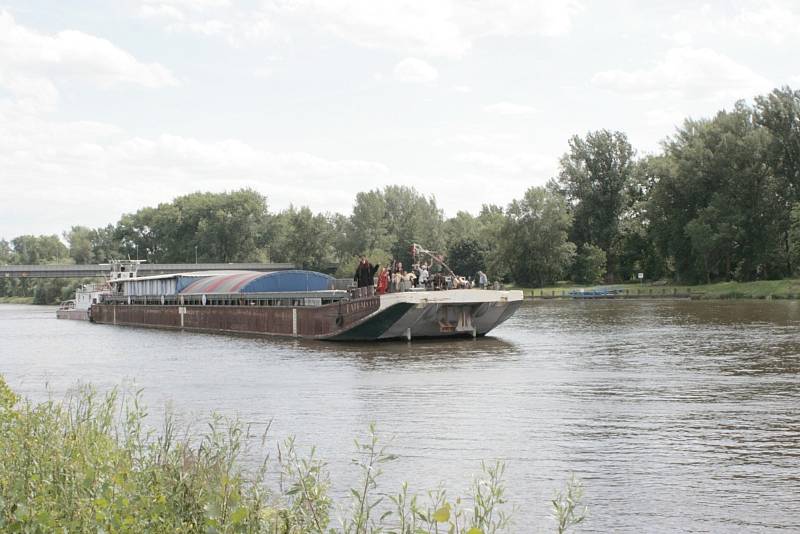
[720, 202]
[89, 464]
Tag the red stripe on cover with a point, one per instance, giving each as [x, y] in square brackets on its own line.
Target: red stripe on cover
[246, 280]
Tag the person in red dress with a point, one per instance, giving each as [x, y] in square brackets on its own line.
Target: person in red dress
[383, 281]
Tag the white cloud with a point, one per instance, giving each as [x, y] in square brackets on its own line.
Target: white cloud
[413, 70]
[75, 54]
[773, 20]
[443, 28]
[31, 94]
[477, 139]
[664, 118]
[213, 18]
[263, 72]
[230, 159]
[687, 73]
[509, 108]
[501, 175]
[31, 64]
[70, 166]
[680, 37]
[527, 164]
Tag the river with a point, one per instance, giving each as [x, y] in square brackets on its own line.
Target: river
[678, 416]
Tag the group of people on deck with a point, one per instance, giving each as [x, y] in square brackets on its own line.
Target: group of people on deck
[394, 278]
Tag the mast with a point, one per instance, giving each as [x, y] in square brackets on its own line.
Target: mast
[417, 249]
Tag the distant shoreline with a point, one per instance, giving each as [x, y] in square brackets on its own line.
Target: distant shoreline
[787, 289]
[18, 300]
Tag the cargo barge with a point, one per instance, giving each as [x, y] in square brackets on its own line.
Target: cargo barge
[298, 303]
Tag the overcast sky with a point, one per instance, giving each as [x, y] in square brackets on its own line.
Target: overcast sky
[107, 106]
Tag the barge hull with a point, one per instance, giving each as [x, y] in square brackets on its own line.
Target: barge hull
[311, 322]
[75, 315]
[464, 313]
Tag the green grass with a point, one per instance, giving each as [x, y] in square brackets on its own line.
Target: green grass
[764, 289]
[16, 300]
[88, 464]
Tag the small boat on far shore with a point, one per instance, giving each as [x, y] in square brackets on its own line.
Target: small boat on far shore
[595, 293]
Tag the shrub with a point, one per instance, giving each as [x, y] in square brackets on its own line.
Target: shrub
[88, 465]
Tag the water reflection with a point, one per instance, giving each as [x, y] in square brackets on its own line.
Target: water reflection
[449, 353]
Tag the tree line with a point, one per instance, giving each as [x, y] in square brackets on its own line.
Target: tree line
[720, 201]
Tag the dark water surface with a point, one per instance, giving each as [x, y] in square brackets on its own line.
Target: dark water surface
[678, 416]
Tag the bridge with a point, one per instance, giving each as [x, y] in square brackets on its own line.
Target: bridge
[145, 269]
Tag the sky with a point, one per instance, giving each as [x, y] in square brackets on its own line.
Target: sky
[107, 106]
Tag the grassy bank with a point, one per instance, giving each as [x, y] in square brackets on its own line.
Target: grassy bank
[16, 300]
[88, 464]
[763, 289]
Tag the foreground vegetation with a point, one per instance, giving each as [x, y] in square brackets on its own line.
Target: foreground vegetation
[719, 202]
[89, 465]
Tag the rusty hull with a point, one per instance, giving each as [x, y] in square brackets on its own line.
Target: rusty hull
[312, 322]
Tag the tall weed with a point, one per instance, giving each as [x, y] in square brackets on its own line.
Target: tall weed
[88, 464]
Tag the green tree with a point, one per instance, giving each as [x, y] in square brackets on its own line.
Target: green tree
[535, 237]
[412, 218]
[6, 254]
[392, 220]
[224, 227]
[140, 235]
[467, 257]
[80, 239]
[794, 235]
[104, 246]
[779, 113]
[635, 249]
[590, 264]
[303, 238]
[713, 238]
[594, 177]
[216, 227]
[464, 226]
[492, 221]
[31, 250]
[370, 224]
[713, 206]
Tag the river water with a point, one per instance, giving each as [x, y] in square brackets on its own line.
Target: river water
[678, 416]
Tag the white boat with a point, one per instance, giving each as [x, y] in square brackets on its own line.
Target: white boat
[80, 307]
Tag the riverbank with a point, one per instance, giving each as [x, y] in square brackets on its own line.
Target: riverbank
[762, 289]
[16, 300]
